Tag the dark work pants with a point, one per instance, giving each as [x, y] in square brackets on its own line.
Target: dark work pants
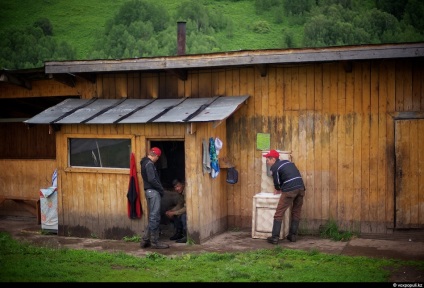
[180, 222]
[288, 199]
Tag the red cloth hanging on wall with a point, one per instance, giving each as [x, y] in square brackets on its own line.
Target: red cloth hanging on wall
[133, 195]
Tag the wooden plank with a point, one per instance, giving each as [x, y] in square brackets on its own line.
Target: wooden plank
[235, 82]
[133, 85]
[382, 146]
[333, 129]
[121, 86]
[399, 86]
[101, 190]
[279, 113]
[310, 86]
[195, 84]
[294, 73]
[162, 86]
[144, 79]
[240, 58]
[219, 185]
[349, 148]
[90, 203]
[233, 192]
[302, 87]
[287, 88]
[252, 170]
[417, 85]
[99, 84]
[205, 83]
[403, 173]
[214, 83]
[309, 176]
[390, 169]
[122, 189]
[317, 133]
[373, 200]
[152, 87]
[272, 99]
[420, 162]
[181, 88]
[357, 145]
[257, 123]
[407, 86]
[242, 150]
[342, 188]
[325, 141]
[76, 209]
[365, 151]
[221, 83]
[203, 199]
[414, 169]
[192, 196]
[108, 181]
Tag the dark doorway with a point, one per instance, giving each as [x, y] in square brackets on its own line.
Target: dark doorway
[171, 164]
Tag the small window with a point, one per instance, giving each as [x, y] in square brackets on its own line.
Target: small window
[100, 152]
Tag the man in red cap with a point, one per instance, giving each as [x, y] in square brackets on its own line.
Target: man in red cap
[289, 183]
[153, 191]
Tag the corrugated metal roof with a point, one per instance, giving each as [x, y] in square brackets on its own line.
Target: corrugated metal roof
[129, 111]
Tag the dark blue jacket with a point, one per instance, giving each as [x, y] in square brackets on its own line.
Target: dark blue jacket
[286, 176]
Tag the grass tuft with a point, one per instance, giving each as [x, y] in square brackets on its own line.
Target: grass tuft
[331, 231]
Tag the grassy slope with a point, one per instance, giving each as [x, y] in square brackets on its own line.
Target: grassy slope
[80, 22]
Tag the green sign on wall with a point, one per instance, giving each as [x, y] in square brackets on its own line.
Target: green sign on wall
[263, 141]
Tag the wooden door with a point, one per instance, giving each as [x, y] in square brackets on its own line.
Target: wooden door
[409, 182]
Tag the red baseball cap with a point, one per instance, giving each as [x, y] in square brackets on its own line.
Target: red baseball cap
[272, 153]
[156, 150]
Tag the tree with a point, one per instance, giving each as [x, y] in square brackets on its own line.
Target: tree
[45, 25]
[298, 7]
[133, 32]
[22, 48]
[394, 7]
[414, 12]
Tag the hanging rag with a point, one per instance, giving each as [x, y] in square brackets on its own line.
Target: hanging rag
[133, 195]
[214, 158]
[218, 145]
[206, 157]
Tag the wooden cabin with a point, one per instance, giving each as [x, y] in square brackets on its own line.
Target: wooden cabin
[352, 118]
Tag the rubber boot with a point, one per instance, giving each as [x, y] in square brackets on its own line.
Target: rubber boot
[276, 228]
[155, 241]
[178, 235]
[293, 231]
[145, 240]
[183, 239]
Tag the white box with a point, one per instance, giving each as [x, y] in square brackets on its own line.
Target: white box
[264, 206]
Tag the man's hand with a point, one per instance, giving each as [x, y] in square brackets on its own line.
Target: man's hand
[169, 213]
[277, 192]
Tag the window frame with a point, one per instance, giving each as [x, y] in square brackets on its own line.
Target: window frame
[87, 169]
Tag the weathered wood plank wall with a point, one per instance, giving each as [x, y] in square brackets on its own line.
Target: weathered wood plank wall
[337, 122]
[23, 178]
[340, 133]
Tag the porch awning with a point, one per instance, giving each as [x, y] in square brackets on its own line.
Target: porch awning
[131, 111]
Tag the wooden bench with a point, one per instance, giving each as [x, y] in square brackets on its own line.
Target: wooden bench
[30, 204]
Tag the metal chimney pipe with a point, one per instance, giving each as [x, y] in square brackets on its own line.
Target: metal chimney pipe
[181, 37]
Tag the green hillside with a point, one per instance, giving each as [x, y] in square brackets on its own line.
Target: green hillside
[81, 24]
